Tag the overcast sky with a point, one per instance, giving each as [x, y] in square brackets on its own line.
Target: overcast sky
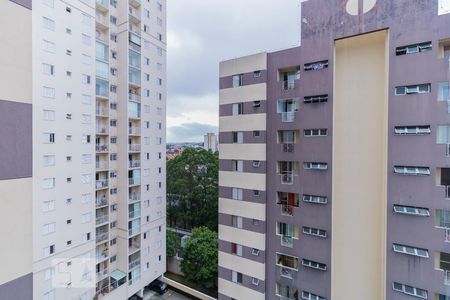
[201, 33]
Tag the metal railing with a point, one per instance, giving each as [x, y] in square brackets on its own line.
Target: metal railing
[134, 114]
[101, 148]
[287, 210]
[101, 111]
[101, 19]
[134, 247]
[134, 147]
[101, 237]
[134, 164]
[102, 274]
[101, 256]
[100, 165]
[134, 130]
[101, 201]
[134, 230]
[134, 13]
[101, 219]
[287, 147]
[134, 214]
[134, 263]
[288, 116]
[101, 184]
[134, 181]
[100, 129]
[287, 178]
[135, 47]
[134, 97]
[287, 272]
[287, 85]
[287, 241]
[134, 197]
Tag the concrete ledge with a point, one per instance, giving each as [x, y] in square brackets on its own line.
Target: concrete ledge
[187, 289]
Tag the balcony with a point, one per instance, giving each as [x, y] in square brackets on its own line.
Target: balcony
[101, 184]
[102, 21]
[101, 201]
[102, 5]
[287, 178]
[101, 112]
[134, 164]
[135, 3]
[134, 97]
[135, 47]
[133, 197]
[135, 16]
[134, 214]
[134, 230]
[134, 263]
[101, 256]
[135, 246]
[134, 181]
[101, 237]
[101, 219]
[101, 130]
[287, 272]
[101, 148]
[287, 241]
[101, 165]
[287, 147]
[102, 274]
[287, 210]
[287, 117]
[134, 147]
[134, 131]
[134, 114]
[287, 85]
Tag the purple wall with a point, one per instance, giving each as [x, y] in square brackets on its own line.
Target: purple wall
[18, 289]
[16, 140]
[25, 3]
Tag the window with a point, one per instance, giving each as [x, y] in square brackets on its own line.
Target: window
[237, 221]
[48, 206]
[86, 198]
[415, 48]
[412, 130]
[256, 133]
[238, 80]
[85, 79]
[50, 295]
[86, 19]
[238, 109]
[237, 165]
[287, 230]
[48, 92]
[159, 21]
[315, 166]
[401, 170]
[443, 91]
[314, 265]
[48, 183]
[413, 89]
[48, 69]
[410, 210]
[159, 6]
[311, 296]
[257, 74]
[443, 218]
[48, 228]
[255, 252]
[113, 259]
[315, 132]
[410, 250]
[113, 20]
[48, 23]
[315, 99]
[48, 46]
[86, 39]
[314, 66]
[236, 249]
[49, 115]
[113, 242]
[236, 277]
[86, 178]
[256, 164]
[85, 218]
[69, 52]
[49, 160]
[409, 290]
[256, 193]
[238, 137]
[315, 232]
[49, 250]
[237, 193]
[255, 281]
[49, 273]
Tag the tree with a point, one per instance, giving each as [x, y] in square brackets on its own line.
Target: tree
[172, 243]
[200, 258]
[192, 189]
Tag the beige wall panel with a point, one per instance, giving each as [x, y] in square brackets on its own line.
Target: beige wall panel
[243, 64]
[242, 180]
[244, 93]
[242, 208]
[238, 291]
[243, 237]
[243, 151]
[243, 123]
[242, 265]
[359, 167]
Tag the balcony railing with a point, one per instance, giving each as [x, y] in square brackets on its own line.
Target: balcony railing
[134, 130]
[287, 241]
[134, 247]
[101, 165]
[134, 197]
[99, 184]
[134, 181]
[102, 274]
[101, 237]
[287, 85]
[134, 13]
[134, 147]
[101, 111]
[134, 264]
[104, 3]
[287, 272]
[135, 47]
[134, 164]
[288, 116]
[134, 214]
[287, 178]
[101, 201]
[134, 97]
[135, 230]
[101, 148]
[102, 256]
[101, 130]
[101, 219]
[101, 19]
[287, 147]
[287, 210]
[134, 114]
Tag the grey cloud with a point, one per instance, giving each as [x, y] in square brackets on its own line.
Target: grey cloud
[189, 132]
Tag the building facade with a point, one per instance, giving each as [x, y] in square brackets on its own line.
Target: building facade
[210, 142]
[84, 119]
[334, 158]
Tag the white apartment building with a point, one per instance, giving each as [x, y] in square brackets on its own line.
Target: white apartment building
[210, 142]
[91, 152]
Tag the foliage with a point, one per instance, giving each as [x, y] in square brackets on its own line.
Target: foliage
[172, 243]
[200, 258]
[192, 189]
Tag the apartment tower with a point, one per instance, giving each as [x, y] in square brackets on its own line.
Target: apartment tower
[334, 158]
[83, 115]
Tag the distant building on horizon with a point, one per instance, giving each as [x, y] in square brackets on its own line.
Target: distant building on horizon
[210, 142]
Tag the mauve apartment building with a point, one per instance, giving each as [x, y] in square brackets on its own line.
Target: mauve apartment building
[334, 158]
